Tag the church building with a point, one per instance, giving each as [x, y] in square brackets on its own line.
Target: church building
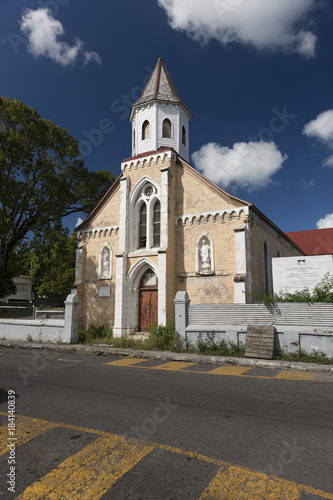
[164, 227]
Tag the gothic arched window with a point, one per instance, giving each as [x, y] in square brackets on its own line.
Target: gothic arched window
[157, 224]
[143, 226]
[166, 128]
[183, 135]
[145, 130]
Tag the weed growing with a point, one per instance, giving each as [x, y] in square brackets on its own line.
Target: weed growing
[218, 348]
[163, 338]
[303, 357]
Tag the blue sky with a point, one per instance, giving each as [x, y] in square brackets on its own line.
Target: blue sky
[254, 74]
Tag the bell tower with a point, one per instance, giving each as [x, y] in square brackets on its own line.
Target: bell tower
[159, 117]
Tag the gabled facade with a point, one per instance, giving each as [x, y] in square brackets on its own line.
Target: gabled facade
[163, 227]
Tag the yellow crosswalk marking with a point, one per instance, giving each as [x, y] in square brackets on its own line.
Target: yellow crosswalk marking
[173, 365]
[126, 362]
[229, 370]
[234, 483]
[226, 370]
[26, 428]
[91, 472]
[295, 375]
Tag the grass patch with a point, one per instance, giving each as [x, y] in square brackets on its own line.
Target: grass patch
[303, 357]
[161, 338]
[209, 346]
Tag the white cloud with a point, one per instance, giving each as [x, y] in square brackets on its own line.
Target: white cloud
[261, 23]
[78, 221]
[322, 128]
[246, 165]
[43, 31]
[325, 222]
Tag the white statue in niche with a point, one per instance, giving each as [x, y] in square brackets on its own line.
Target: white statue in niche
[105, 264]
[205, 256]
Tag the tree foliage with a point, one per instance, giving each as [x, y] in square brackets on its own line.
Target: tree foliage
[42, 179]
[53, 264]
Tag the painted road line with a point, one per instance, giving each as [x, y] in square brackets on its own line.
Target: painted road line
[295, 375]
[173, 365]
[91, 472]
[234, 483]
[110, 456]
[126, 362]
[236, 371]
[26, 428]
[229, 370]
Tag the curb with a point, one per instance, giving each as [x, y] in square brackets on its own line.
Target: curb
[103, 350]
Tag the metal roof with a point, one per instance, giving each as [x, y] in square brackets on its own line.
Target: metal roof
[160, 87]
[314, 241]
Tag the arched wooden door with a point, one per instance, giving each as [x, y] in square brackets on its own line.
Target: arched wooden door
[148, 301]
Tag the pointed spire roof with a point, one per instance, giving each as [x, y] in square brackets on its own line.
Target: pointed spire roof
[160, 87]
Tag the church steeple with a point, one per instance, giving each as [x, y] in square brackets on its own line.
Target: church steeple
[159, 117]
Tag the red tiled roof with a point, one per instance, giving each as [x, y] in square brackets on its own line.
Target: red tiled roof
[315, 241]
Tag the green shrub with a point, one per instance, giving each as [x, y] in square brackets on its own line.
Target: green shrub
[220, 348]
[94, 334]
[303, 357]
[322, 292]
[165, 338]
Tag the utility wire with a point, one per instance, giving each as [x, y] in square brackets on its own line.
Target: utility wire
[325, 47]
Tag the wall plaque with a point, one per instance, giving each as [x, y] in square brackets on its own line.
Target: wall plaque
[104, 291]
[295, 273]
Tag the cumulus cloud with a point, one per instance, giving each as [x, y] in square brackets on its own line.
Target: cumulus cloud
[43, 32]
[325, 222]
[321, 128]
[248, 165]
[260, 23]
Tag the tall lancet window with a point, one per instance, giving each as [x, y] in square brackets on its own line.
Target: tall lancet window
[167, 128]
[157, 224]
[145, 130]
[183, 135]
[143, 226]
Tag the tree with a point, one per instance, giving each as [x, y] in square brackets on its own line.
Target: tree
[53, 264]
[42, 179]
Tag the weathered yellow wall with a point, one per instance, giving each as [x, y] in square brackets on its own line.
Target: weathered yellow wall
[192, 196]
[218, 288]
[150, 169]
[96, 310]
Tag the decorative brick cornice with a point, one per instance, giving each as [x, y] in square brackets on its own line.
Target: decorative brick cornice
[217, 215]
[151, 159]
[99, 232]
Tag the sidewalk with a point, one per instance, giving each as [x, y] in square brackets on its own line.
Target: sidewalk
[104, 350]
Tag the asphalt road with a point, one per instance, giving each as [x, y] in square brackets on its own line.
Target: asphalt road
[196, 435]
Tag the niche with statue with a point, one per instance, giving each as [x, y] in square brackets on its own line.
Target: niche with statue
[205, 255]
[105, 263]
